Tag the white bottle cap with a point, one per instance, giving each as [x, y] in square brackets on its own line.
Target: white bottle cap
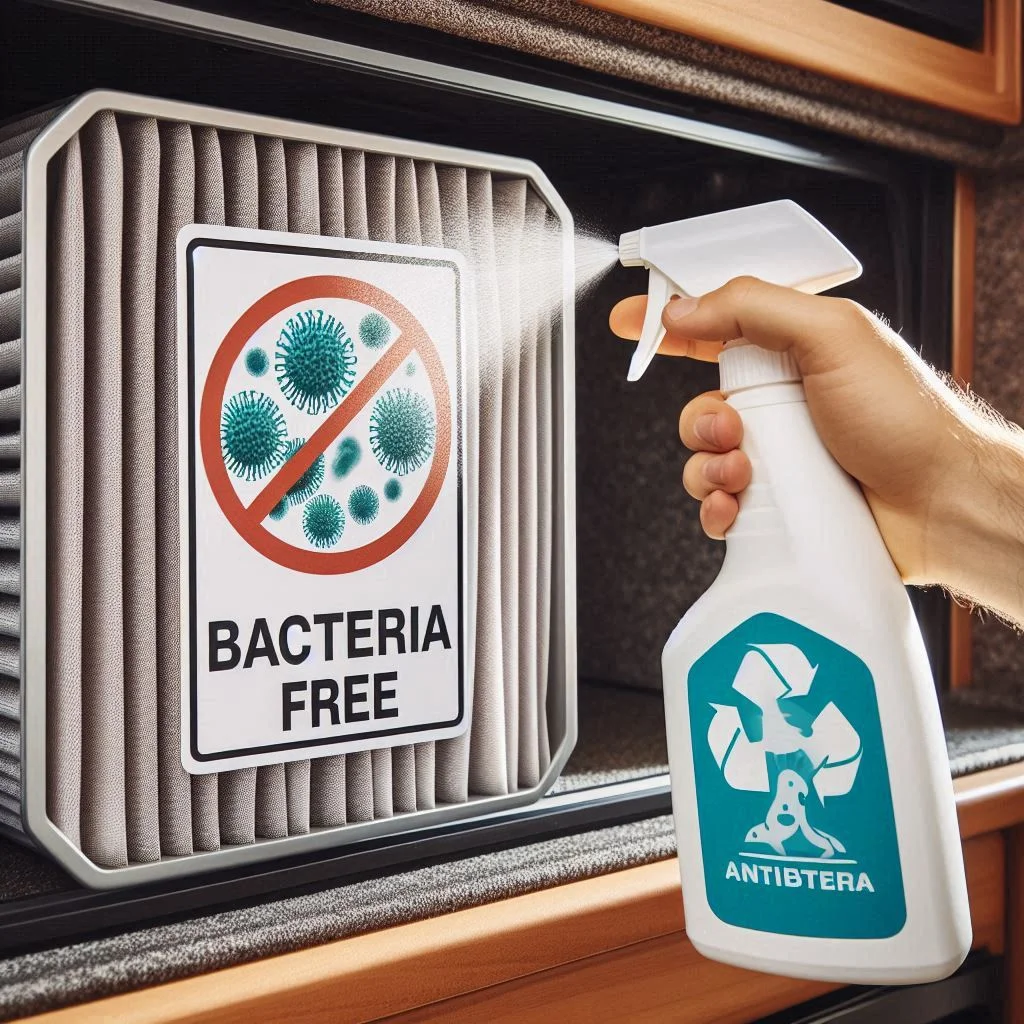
[743, 365]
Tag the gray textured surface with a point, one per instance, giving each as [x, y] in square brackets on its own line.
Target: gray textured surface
[90, 970]
[599, 41]
[998, 656]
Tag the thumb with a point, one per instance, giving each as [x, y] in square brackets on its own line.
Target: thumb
[818, 331]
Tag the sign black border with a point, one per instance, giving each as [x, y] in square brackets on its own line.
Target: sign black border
[296, 250]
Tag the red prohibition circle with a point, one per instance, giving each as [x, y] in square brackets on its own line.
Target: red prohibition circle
[248, 520]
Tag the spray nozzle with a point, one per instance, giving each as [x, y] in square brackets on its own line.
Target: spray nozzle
[779, 242]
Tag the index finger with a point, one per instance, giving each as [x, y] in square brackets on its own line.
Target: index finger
[626, 320]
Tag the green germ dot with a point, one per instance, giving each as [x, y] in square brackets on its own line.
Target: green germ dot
[279, 510]
[311, 479]
[363, 504]
[410, 369]
[393, 490]
[346, 456]
[323, 521]
[252, 434]
[256, 362]
[401, 430]
[316, 361]
[374, 330]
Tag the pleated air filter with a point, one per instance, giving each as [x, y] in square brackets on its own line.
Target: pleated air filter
[286, 481]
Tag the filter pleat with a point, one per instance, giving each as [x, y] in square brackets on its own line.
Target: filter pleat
[34, 121]
[10, 184]
[209, 209]
[10, 689]
[10, 361]
[236, 790]
[10, 234]
[103, 770]
[327, 775]
[428, 203]
[140, 145]
[19, 142]
[359, 796]
[10, 447]
[10, 736]
[331, 173]
[177, 208]
[407, 231]
[12, 787]
[548, 331]
[10, 765]
[534, 284]
[10, 573]
[509, 219]
[380, 215]
[271, 790]
[452, 756]
[488, 770]
[10, 617]
[10, 315]
[303, 218]
[10, 540]
[10, 273]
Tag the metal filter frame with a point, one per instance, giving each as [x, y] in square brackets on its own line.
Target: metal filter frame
[33, 660]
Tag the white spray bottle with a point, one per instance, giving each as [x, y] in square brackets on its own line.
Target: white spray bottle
[817, 830]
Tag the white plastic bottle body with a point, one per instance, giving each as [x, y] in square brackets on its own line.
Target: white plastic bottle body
[802, 673]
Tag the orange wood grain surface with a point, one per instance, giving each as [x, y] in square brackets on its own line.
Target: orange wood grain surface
[845, 44]
[610, 948]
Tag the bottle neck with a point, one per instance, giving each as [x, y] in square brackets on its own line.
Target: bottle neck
[797, 507]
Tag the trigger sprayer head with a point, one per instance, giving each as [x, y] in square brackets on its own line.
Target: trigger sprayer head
[779, 242]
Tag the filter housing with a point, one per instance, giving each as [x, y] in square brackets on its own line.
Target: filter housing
[92, 199]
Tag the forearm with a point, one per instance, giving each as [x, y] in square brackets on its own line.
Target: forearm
[978, 550]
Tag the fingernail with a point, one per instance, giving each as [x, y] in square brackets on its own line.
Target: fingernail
[713, 471]
[680, 308]
[705, 427]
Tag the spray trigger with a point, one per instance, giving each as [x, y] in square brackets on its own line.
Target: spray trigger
[779, 242]
[659, 290]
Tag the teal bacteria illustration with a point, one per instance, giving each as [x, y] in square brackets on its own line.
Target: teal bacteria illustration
[323, 521]
[363, 504]
[256, 362]
[315, 361]
[393, 490]
[279, 510]
[410, 369]
[374, 330]
[346, 456]
[402, 430]
[311, 479]
[252, 435]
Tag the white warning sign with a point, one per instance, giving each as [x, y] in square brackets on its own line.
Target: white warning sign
[323, 559]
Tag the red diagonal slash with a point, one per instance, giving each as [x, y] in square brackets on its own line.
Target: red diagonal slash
[248, 521]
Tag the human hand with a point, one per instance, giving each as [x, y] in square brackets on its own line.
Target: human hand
[934, 468]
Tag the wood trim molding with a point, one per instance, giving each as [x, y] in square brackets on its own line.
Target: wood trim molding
[990, 800]
[573, 952]
[962, 366]
[835, 41]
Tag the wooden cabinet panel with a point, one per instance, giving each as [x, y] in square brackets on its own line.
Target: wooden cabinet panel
[845, 44]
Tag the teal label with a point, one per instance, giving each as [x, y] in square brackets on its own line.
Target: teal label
[796, 822]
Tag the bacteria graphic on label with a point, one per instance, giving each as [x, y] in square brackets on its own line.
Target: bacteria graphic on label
[401, 430]
[323, 521]
[393, 489]
[279, 510]
[410, 369]
[256, 362]
[346, 456]
[252, 435]
[311, 479]
[316, 361]
[374, 330]
[363, 504]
